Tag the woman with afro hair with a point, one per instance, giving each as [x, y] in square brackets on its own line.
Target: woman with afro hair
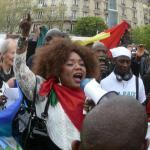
[58, 69]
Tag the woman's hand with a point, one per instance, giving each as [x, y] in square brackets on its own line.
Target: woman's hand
[88, 105]
[25, 26]
[11, 82]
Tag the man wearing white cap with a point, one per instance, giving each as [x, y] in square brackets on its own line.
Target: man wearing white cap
[122, 79]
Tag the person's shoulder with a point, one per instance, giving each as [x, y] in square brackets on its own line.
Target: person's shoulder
[134, 77]
[108, 78]
[140, 80]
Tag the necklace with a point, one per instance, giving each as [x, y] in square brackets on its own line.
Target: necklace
[7, 72]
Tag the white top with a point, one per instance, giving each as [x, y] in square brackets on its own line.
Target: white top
[128, 88]
[148, 135]
[60, 128]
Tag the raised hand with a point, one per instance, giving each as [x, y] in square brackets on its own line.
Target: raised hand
[25, 26]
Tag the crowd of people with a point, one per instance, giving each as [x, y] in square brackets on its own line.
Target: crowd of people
[48, 68]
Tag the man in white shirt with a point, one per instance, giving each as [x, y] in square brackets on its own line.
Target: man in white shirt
[122, 79]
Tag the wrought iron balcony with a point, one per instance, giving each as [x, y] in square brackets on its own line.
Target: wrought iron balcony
[97, 11]
[75, 7]
[134, 19]
[85, 8]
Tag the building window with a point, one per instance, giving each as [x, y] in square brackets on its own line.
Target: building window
[86, 2]
[134, 14]
[62, 15]
[123, 2]
[95, 14]
[74, 14]
[40, 14]
[134, 24]
[85, 14]
[53, 2]
[134, 4]
[42, 2]
[63, 2]
[97, 5]
[123, 12]
[106, 6]
[75, 2]
[52, 13]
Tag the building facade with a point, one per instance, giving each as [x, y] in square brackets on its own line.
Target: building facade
[64, 13]
[136, 12]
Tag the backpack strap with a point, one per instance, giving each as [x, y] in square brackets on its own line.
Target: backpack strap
[45, 113]
[137, 87]
[33, 109]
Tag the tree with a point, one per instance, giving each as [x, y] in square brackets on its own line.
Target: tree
[89, 26]
[141, 35]
[3, 14]
[11, 11]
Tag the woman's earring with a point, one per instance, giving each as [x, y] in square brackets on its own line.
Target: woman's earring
[59, 81]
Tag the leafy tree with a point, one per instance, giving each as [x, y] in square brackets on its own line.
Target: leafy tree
[3, 14]
[11, 11]
[141, 35]
[89, 26]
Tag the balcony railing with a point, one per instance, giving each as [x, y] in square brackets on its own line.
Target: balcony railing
[106, 11]
[123, 4]
[85, 8]
[97, 11]
[134, 7]
[74, 7]
[124, 16]
[71, 18]
[147, 21]
[134, 19]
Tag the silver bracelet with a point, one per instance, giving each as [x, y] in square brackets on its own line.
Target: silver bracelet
[22, 42]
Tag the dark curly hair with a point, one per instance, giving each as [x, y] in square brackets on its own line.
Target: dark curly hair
[50, 58]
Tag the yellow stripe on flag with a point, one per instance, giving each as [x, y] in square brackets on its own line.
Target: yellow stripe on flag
[93, 39]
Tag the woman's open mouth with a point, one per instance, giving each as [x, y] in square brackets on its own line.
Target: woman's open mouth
[77, 77]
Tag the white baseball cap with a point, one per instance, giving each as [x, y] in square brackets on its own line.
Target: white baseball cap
[120, 51]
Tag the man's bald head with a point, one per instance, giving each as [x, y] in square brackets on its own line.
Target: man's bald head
[119, 123]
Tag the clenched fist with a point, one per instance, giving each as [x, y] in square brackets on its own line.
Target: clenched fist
[25, 26]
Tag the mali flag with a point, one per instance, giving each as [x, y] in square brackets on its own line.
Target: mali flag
[116, 34]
